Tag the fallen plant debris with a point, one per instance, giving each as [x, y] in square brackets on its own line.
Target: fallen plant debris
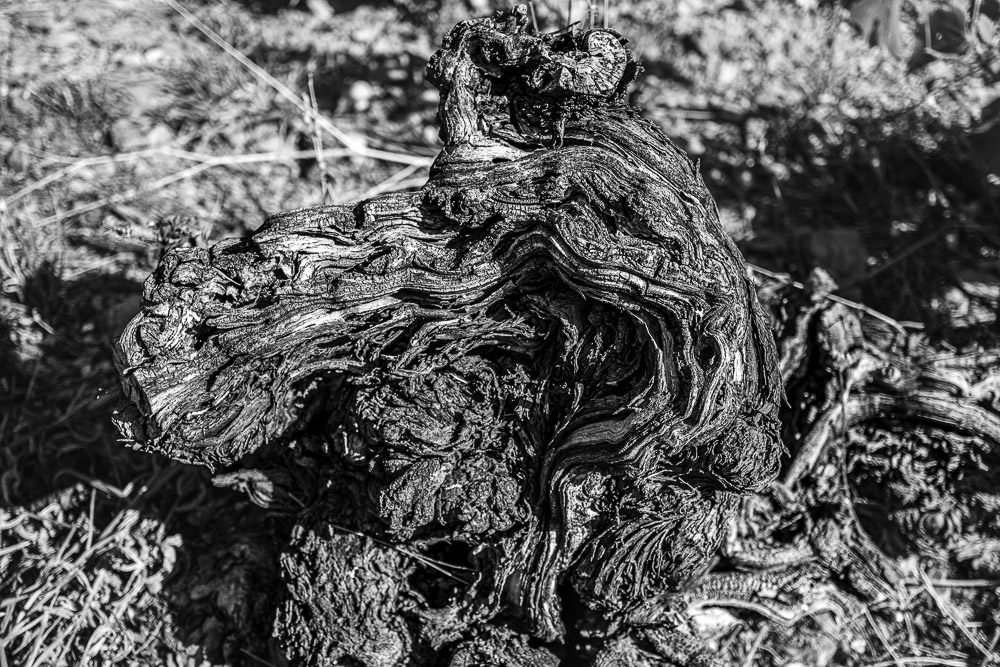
[109, 574]
[535, 399]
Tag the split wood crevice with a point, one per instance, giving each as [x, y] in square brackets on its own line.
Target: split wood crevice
[545, 371]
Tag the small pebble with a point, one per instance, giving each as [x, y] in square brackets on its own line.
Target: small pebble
[360, 94]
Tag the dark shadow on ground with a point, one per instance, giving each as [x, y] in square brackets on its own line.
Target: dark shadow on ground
[58, 389]
[905, 228]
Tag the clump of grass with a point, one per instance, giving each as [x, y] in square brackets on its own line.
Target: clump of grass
[78, 595]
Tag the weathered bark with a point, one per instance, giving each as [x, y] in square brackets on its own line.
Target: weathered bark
[550, 356]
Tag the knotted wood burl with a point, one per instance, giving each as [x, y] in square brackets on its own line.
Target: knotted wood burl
[550, 353]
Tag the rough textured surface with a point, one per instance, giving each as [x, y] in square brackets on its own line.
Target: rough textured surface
[871, 528]
[548, 366]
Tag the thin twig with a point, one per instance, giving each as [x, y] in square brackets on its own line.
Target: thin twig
[37, 152]
[787, 280]
[949, 610]
[898, 257]
[958, 583]
[90, 524]
[77, 166]
[920, 660]
[318, 145]
[219, 161]
[388, 185]
[430, 562]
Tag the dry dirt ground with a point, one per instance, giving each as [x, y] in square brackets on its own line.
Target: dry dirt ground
[871, 149]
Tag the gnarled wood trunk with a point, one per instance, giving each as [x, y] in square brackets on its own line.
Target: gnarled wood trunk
[549, 359]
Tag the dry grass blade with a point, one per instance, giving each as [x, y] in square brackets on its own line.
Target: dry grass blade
[12, 274]
[920, 660]
[90, 524]
[391, 184]
[6, 551]
[356, 147]
[403, 185]
[958, 583]
[785, 279]
[898, 257]
[318, 144]
[260, 73]
[219, 161]
[256, 658]
[432, 563]
[949, 610]
[77, 166]
[757, 642]
[51, 157]
[883, 639]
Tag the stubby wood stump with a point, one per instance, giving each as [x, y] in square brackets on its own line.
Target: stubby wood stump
[542, 376]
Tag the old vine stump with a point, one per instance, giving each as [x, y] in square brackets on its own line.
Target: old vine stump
[543, 376]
